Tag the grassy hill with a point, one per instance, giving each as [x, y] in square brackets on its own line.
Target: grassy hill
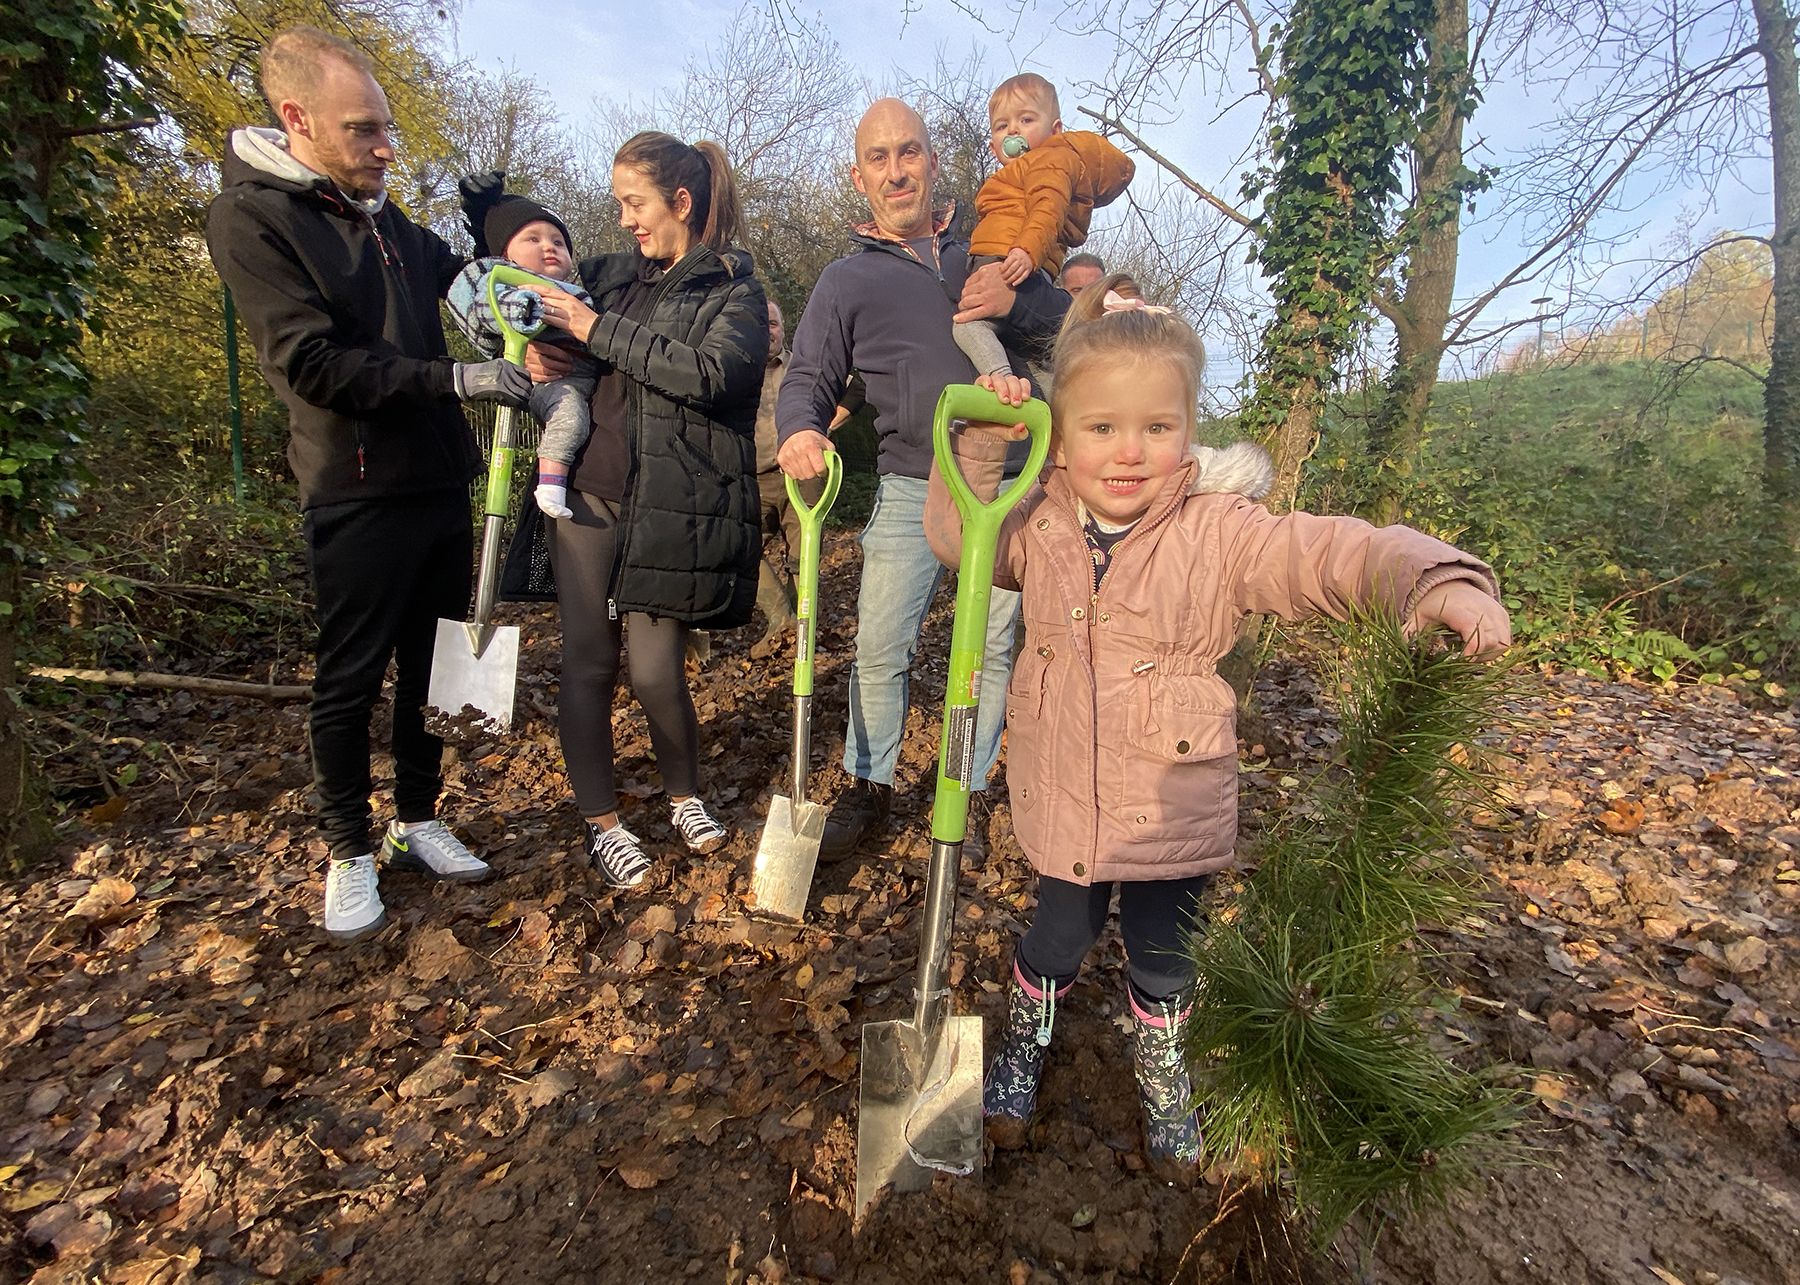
[1618, 503]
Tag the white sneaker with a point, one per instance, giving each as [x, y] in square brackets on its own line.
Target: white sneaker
[352, 900]
[430, 848]
[700, 830]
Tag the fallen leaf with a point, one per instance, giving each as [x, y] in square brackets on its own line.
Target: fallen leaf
[162, 1269]
[549, 1085]
[644, 1170]
[28, 1029]
[434, 1075]
[111, 810]
[534, 930]
[1550, 1089]
[1620, 999]
[62, 1228]
[36, 1196]
[1623, 816]
[1747, 956]
[104, 901]
[436, 954]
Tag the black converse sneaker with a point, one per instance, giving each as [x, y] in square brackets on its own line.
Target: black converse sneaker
[617, 855]
[699, 829]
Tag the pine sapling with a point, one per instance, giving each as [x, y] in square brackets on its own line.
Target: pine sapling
[1315, 1072]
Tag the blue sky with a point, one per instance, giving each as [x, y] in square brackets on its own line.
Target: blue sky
[583, 51]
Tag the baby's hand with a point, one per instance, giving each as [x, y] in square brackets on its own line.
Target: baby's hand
[1468, 611]
[1016, 266]
[1009, 388]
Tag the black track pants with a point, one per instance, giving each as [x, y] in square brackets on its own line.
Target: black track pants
[383, 573]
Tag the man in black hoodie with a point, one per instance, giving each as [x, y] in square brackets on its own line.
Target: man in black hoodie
[340, 291]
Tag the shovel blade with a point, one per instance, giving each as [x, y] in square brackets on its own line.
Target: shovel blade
[786, 857]
[919, 1112]
[462, 676]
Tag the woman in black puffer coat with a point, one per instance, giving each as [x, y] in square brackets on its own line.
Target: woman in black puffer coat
[664, 535]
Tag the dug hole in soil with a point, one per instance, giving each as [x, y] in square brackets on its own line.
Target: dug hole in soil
[538, 1079]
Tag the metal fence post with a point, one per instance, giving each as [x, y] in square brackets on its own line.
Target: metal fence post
[234, 399]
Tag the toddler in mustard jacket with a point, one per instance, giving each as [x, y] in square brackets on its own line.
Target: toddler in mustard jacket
[1037, 205]
[1136, 559]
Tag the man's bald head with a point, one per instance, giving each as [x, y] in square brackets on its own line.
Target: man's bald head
[895, 168]
[885, 116]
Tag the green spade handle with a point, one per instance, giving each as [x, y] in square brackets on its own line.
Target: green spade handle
[500, 460]
[974, 586]
[806, 585]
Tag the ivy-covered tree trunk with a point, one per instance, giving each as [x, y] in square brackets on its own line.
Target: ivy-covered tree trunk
[1296, 429]
[70, 77]
[1781, 395]
[1351, 79]
[1422, 313]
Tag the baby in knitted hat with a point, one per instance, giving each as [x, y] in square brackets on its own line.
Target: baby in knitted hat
[530, 237]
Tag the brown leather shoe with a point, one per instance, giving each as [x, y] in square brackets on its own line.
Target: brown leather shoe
[859, 811]
[975, 842]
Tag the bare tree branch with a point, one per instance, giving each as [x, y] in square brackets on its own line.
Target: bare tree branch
[1169, 167]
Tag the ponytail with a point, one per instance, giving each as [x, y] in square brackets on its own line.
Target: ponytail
[724, 219]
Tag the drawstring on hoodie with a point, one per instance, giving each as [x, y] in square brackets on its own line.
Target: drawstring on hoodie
[390, 257]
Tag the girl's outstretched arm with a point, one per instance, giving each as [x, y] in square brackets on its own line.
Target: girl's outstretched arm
[1299, 564]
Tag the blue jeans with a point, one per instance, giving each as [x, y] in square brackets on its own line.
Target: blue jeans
[900, 574]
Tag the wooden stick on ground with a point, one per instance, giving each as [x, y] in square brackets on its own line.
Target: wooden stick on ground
[173, 682]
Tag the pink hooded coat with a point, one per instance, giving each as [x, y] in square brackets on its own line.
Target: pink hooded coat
[1121, 756]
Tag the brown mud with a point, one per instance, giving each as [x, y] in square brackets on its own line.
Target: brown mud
[538, 1079]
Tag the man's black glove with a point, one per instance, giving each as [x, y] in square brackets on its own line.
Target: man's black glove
[479, 194]
[498, 380]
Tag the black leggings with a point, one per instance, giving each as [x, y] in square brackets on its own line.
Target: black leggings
[581, 551]
[1155, 918]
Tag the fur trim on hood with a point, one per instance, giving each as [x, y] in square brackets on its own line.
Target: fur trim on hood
[1243, 468]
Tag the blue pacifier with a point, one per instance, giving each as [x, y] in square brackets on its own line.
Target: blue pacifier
[1014, 146]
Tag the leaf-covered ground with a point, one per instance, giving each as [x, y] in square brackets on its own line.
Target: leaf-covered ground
[538, 1079]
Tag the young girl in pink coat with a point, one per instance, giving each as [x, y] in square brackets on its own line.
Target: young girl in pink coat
[1137, 559]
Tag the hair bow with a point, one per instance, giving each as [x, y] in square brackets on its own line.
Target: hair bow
[1116, 302]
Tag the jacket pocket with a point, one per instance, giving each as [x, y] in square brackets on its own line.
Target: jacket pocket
[1025, 748]
[707, 483]
[1180, 773]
